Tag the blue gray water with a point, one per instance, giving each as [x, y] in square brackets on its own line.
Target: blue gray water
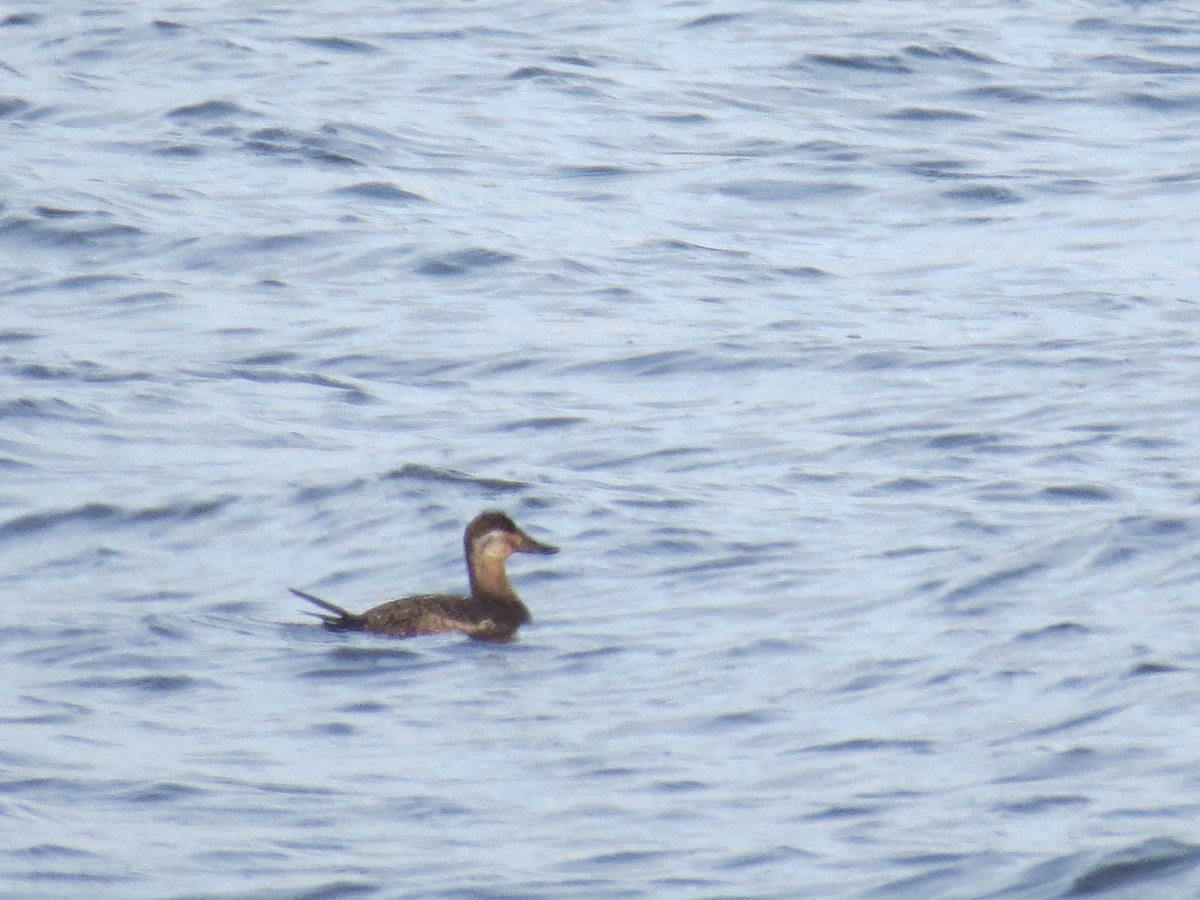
[848, 349]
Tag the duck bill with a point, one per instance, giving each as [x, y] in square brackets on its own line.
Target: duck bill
[529, 545]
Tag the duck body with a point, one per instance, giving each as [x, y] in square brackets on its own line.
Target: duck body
[482, 618]
[492, 611]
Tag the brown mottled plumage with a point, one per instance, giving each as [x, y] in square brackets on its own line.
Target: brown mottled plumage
[492, 612]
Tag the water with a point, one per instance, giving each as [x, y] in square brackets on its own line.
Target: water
[848, 349]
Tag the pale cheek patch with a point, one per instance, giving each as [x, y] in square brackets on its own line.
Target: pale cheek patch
[493, 545]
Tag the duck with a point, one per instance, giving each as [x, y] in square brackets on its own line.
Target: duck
[491, 612]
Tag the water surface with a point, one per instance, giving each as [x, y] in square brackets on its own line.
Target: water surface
[848, 349]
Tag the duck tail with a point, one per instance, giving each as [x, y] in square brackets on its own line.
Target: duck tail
[341, 620]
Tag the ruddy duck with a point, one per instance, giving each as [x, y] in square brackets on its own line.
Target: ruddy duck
[493, 611]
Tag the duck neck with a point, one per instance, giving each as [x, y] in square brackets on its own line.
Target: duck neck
[488, 579]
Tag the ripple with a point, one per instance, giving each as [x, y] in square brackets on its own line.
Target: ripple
[907, 486]
[162, 792]
[462, 262]
[779, 854]
[983, 193]
[13, 107]
[595, 171]
[268, 374]
[1057, 630]
[1007, 93]
[779, 190]
[620, 859]
[149, 684]
[327, 144]
[1138, 866]
[987, 584]
[84, 371]
[737, 720]
[112, 515]
[51, 852]
[209, 111]
[949, 52]
[576, 82]
[354, 661]
[33, 523]
[380, 192]
[659, 363]
[55, 230]
[541, 423]
[870, 745]
[338, 44]
[1043, 804]
[1164, 104]
[13, 20]
[970, 440]
[43, 409]
[310, 494]
[802, 272]
[925, 114]
[713, 19]
[861, 62]
[1088, 493]
[1143, 65]
[419, 473]
[937, 169]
